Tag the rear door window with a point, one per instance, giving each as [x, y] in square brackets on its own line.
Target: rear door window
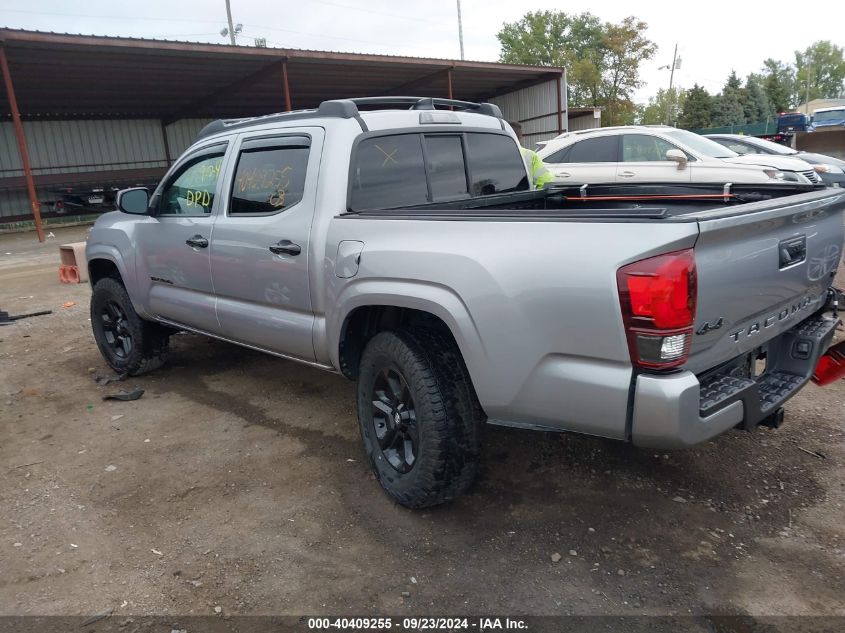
[496, 165]
[269, 176]
[602, 149]
[639, 148]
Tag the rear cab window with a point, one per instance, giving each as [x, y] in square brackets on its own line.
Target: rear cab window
[403, 170]
[388, 171]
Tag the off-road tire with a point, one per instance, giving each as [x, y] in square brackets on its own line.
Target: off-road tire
[448, 416]
[149, 341]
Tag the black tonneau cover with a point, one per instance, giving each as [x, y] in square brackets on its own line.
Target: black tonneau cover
[611, 201]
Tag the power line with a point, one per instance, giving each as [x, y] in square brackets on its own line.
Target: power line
[323, 35]
[109, 17]
[197, 21]
[373, 12]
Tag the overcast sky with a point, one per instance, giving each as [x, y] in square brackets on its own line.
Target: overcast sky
[713, 37]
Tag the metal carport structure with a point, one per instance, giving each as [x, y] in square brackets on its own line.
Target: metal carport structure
[60, 85]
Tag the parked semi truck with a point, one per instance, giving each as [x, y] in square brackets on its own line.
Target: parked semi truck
[779, 130]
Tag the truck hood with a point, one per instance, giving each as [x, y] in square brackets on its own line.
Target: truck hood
[783, 163]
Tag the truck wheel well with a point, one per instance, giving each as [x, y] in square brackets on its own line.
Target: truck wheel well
[102, 268]
[365, 322]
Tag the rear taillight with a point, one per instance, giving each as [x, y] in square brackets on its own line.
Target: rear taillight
[831, 366]
[658, 298]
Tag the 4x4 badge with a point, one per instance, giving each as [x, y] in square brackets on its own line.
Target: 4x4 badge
[708, 327]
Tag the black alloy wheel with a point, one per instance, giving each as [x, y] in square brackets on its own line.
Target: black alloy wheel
[129, 344]
[418, 415]
[116, 330]
[395, 420]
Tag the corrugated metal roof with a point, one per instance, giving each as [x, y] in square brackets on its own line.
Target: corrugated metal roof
[62, 75]
[228, 47]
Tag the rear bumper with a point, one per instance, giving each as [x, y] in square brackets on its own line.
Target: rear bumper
[682, 409]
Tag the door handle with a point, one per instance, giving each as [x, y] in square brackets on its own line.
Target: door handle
[285, 247]
[562, 174]
[627, 174]
[197, 241]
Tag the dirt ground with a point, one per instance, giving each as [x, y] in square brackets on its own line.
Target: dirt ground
[238, 481]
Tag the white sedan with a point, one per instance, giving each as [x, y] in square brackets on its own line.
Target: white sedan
[644, 153]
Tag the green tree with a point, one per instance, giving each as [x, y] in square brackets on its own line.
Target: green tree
[778, 83]
[756, 104]
[636, 116]
[727, 107]
[733, 82]
[602, 59]
[821, 66]
[695, 113]
[664, 107]
[626, 47]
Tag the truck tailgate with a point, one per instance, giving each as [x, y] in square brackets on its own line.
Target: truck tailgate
[761, 270]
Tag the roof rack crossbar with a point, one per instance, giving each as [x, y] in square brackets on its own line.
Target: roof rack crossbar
[428, 103]
[340, 109]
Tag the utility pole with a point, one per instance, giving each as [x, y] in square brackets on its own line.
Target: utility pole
[807, 100]
[671, 74]
[231, 25]
[460, 28]
[671, 95]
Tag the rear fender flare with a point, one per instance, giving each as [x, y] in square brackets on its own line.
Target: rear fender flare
[441, 301]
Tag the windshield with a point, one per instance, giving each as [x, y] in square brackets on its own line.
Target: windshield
[769, 146]
[703, 146]
[830, 115]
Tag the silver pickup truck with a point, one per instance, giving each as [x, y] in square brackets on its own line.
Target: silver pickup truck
[404, 248]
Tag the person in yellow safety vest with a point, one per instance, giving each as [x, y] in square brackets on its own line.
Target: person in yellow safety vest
[540, 175]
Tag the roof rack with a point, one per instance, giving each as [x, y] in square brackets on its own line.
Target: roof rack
[348, 109]
[428, 103]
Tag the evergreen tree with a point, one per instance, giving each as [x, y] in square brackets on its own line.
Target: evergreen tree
[733, 82]
[756, 106]
[696, 110]
[728, 108]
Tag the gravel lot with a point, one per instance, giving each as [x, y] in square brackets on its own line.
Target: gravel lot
[237, 481]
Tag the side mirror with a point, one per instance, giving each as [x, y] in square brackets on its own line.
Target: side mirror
[677, 156]
[134, 201]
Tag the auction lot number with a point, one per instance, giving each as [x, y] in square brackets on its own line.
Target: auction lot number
[418, 624]
[410, 624]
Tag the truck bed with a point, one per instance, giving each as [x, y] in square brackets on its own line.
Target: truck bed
[533, 277]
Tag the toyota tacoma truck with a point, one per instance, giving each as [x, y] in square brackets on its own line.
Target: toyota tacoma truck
[398, 242]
